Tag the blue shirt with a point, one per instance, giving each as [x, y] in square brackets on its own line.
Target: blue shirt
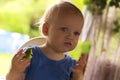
[43, 68]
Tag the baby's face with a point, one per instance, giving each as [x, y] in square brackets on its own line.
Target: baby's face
[63, 35]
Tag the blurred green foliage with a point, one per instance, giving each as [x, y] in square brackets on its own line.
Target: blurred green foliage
[16, 15]
[78, 3]
[97, 6]
[5, 62]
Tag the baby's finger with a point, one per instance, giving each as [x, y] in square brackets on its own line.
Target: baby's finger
[19, 55]
[83, 58]
[26, 61]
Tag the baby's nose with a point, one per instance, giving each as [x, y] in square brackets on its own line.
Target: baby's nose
[70, 35]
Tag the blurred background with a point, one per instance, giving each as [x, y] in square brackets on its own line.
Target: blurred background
[100, 35]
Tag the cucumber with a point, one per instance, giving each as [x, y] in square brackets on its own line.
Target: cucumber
[28, 53]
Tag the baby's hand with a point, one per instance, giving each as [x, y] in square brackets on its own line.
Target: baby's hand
[19, 64]
[79, 69]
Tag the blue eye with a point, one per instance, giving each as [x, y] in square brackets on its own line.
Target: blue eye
[64, 29]
[76, 33]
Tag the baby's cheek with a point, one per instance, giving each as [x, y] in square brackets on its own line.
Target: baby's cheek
[74, 45]
[75, 42]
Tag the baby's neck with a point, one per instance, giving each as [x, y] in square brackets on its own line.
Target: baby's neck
[51, 54]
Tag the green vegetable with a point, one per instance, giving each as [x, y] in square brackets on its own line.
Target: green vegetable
[28, 53]
[85, 47]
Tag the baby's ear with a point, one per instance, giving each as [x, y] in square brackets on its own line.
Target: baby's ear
[45, 29]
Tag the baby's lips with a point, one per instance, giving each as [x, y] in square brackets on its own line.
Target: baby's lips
[68, 43]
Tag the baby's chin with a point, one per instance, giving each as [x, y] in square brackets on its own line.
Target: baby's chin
[66, 49]
[70, 49]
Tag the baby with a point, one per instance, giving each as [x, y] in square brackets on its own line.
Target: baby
[61, 24]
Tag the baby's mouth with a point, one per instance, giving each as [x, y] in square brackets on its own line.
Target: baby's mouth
[68, 43]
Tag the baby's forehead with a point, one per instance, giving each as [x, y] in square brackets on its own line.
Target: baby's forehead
[61, 10]
[64, 9]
